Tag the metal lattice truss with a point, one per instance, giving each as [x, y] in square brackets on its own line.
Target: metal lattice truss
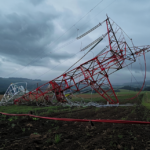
[92, 74]
[15, 90]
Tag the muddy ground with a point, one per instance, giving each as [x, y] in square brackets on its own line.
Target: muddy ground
[26, 133]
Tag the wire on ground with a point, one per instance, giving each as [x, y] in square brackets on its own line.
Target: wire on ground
[80, 120]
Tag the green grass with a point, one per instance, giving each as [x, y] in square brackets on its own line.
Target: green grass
[122, 96]
[120, 136]
[57, 138]
[17, 109]
[146, 99]
[23, 109]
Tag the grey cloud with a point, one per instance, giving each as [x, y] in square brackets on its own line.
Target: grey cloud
[36, 2]
[23, 36]
[33, 31]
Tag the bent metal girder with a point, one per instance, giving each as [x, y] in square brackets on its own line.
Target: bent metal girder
[93, 73]
[15, 90]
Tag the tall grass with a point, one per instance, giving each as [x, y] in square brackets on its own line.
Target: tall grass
[146, 99]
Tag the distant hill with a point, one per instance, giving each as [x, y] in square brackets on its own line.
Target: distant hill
[147, 88]
[130, 88]
[138, 83]
[31, 84]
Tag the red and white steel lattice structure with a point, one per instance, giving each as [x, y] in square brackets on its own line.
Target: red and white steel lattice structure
[95, 72]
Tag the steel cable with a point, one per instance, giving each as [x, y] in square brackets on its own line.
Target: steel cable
[80, 120]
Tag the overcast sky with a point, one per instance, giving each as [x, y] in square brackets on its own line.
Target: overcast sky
[38, 37]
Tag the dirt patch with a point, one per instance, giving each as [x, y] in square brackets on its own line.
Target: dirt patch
[32, 133]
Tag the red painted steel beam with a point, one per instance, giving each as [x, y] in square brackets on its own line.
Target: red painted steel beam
[95, 72]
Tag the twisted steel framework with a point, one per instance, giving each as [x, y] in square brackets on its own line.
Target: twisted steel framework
[95, 72]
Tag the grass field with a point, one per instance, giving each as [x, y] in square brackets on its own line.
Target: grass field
[24, 109]
[146, 100]
[122, 96]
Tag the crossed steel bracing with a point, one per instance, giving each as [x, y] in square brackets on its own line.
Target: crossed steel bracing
[93, 74]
